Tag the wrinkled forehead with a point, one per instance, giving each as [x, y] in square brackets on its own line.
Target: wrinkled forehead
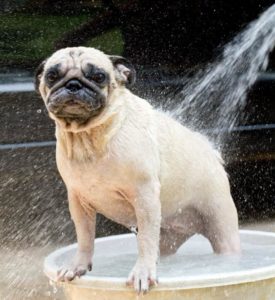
[79, 58]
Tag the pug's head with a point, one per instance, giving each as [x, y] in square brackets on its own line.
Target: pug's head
[76, 83]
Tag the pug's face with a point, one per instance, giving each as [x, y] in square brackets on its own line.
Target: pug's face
[76, 83]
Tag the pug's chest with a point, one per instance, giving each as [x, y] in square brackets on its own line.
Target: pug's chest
[105, 188]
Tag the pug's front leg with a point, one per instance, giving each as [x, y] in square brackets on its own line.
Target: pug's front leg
[85, 223]
[148, 214]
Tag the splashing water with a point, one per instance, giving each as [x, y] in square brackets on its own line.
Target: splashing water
[215, 97]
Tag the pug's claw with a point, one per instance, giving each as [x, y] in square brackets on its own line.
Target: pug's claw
[130, 282]
[153, 282]
[60, 274]
[142, 278]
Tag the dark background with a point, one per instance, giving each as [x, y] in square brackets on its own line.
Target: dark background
[177, 34]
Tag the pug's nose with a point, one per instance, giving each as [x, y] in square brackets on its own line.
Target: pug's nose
[73, 86]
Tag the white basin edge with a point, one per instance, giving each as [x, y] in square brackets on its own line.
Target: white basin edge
[183, 282]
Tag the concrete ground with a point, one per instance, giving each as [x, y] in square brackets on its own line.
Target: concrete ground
[21, 274]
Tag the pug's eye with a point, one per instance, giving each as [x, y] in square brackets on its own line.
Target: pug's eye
[52, 76]
[97, 77]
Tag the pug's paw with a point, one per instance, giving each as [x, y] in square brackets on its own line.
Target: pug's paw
[142, 277]
[82, 263]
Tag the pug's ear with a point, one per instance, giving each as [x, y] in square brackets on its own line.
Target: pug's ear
[38, 74]
[125, 72]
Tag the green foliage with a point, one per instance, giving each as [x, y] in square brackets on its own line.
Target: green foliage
[27, 39]
[110, 42]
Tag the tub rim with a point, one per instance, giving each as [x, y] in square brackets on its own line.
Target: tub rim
[165, 283]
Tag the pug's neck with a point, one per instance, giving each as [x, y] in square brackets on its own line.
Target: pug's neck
[90, 142]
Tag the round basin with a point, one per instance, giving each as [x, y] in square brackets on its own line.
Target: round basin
[194, 272]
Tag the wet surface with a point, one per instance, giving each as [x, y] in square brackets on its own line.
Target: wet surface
[22, 275]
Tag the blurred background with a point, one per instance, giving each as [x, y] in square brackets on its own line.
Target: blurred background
[166, 41]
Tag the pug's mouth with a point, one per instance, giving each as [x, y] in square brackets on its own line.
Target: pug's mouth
[80, 106]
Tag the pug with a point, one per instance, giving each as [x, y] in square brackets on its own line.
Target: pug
[134, 164]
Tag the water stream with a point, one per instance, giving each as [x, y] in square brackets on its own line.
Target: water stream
[215, 97]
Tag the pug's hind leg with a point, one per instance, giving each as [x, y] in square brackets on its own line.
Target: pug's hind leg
[85, 230]
[221, 228]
